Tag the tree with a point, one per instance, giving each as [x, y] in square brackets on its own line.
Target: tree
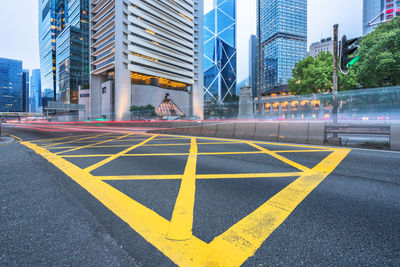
[315, 75]
[143, 110]
[379, 63]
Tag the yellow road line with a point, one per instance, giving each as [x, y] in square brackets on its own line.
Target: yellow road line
[281, 158]
[230, 153]
[239, 244]
[140, 177]
[13, 136]
[235, 245]
[86, 156]
[74, 141]
[298, 151]
[156, 154]
[182, 216]
[98, 143]
[59, 138]
[147, 223]
[177, 144]
[186, 144]
[257, 142]
[248, 175]
[109, 159]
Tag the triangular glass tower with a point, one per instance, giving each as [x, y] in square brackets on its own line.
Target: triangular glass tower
[220, 51]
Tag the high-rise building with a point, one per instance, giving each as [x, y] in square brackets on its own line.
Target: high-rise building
[142, 52]
[372, 14]
[11, 93]
[35, 98]
[253, 65]
[48, 31]
[64, 48]
[376, 12]
[72, 51]
[283, 27]
[25, 90]
[220, 51]
[325, 45]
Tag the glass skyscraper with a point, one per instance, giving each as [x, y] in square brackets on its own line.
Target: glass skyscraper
[47, 46]
[283, 39]
[64, 48]
[25, 90]
[220, 51]
[72, 52]
[372, 14]
[35, 98]
[11, 88]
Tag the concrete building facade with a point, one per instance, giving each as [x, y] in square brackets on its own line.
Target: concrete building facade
[253, 65]
[325, 45]
[141, 50]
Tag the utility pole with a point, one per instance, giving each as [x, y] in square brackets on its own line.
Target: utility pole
[335, 76]
[259, 58]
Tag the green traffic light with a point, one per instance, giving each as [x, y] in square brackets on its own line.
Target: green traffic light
[353, 61]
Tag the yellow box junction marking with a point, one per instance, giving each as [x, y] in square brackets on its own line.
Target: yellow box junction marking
[174, 238]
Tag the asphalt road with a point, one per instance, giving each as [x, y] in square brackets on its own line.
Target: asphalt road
[106, 198]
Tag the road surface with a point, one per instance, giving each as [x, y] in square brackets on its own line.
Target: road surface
[115, 197]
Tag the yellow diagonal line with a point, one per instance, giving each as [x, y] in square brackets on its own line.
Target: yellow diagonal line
[248, 175]
[91, 145]
[242, 240]
[281, 158]
[86, 156]
[109, 159]
[156, 154]
[58, 138]
[75, 140]
[151, 226]
[182, 217]
[231, 153]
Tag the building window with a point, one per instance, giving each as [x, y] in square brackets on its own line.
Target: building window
[104, 90]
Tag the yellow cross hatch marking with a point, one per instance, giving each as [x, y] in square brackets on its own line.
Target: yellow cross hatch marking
[174, 238]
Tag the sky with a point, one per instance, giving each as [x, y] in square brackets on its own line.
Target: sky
[19, 27]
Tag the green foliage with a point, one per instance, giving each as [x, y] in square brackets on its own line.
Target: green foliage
[379, 63]
[315, 75]
[148, 109]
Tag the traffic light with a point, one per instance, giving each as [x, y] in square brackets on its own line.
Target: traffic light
[347, 51]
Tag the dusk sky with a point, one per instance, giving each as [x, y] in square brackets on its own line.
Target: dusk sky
[19, 27]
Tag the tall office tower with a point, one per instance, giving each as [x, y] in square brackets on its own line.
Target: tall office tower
[283, 40]
[64, 48]
[220, 51]
[143, 52]
[36, 92]
[72, 51]
[376, 12]
[25, 90]
[253, 65]
[372, 14]
[47, 47]
[11, 85]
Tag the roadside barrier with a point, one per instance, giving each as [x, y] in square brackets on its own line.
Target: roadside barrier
[225, 129]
